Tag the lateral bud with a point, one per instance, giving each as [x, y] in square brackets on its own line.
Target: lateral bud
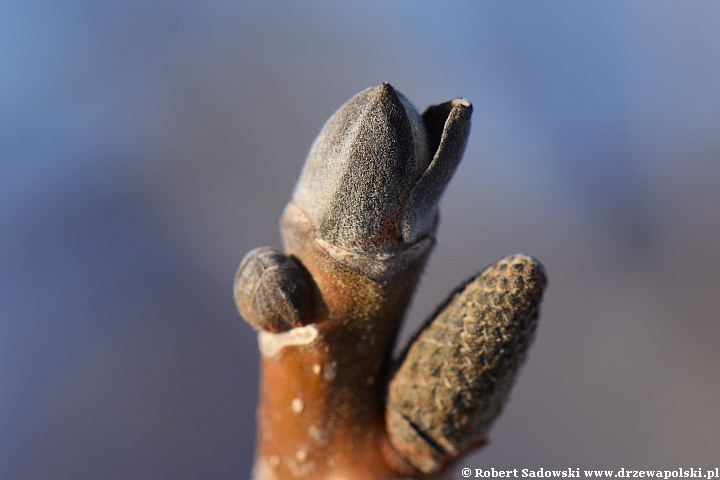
[273, 291]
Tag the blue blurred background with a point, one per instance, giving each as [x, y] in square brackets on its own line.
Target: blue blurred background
[146, 146]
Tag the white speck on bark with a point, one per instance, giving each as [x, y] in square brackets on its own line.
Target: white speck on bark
[297, 405]
[271, 343]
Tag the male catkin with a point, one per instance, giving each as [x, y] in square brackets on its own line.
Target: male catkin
[457, 373]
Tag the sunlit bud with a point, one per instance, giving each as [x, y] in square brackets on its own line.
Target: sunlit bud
[375, 174]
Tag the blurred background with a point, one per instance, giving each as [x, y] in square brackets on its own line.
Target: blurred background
[145, 147]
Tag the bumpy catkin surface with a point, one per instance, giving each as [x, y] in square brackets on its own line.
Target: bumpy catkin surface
[456, 375]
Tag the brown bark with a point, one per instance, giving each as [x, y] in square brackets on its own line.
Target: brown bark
[321, 409]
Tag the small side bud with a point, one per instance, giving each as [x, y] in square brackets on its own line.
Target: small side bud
[273, 291]
[457, 373]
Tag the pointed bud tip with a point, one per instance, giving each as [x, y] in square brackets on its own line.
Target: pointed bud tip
[386, 97]
[385, 87]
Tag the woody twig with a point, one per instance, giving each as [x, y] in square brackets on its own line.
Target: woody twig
[357, 233]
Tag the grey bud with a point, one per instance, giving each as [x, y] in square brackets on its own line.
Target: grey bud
[273, 291]
[457, 373]
[375, 174]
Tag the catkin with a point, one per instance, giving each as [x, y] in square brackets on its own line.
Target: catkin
[455, 377]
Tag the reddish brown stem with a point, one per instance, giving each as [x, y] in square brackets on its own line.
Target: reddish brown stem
[321, 412]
